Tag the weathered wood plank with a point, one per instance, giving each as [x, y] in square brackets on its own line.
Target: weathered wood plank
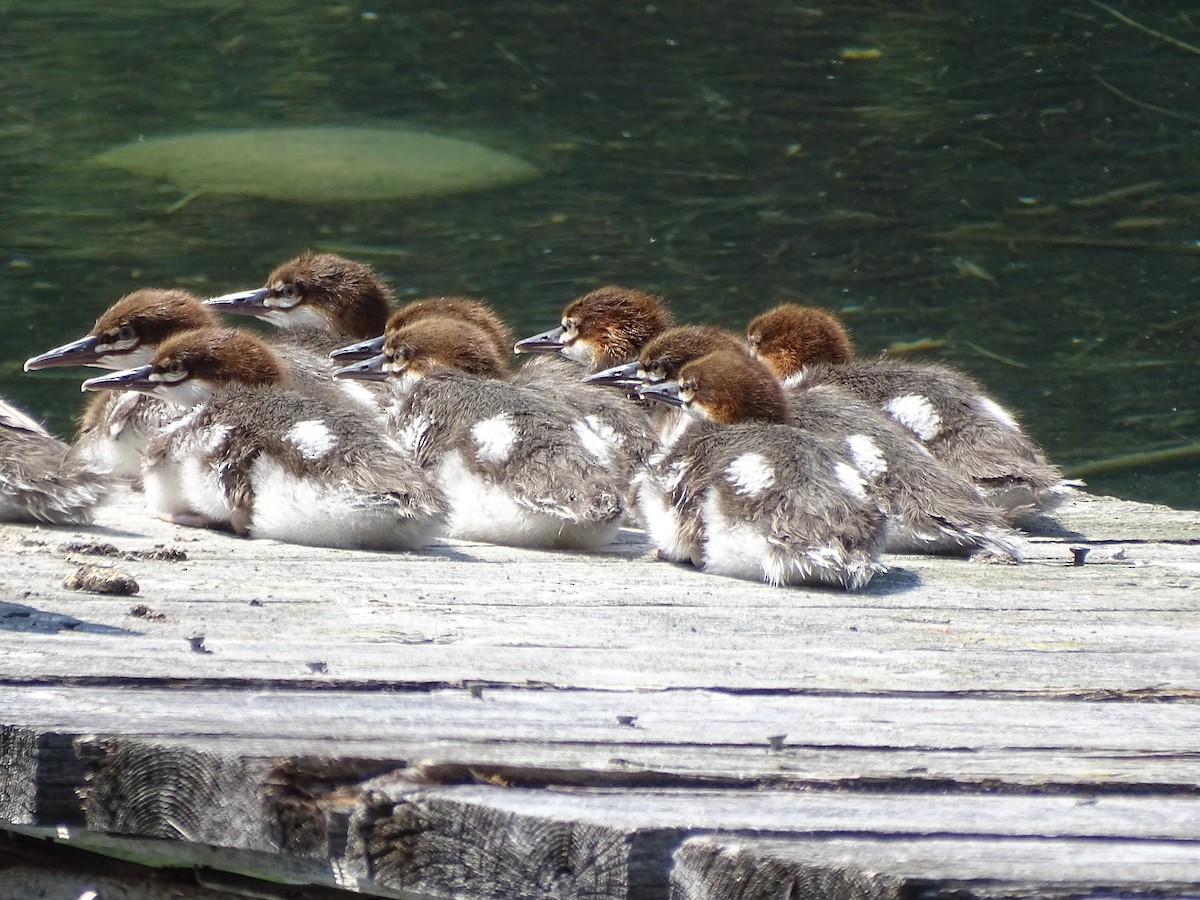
[565, 737]
[717, 868]
[364, 709]
[1166, 672]
[474, 612]
[699, 718]
[820, 812]
[502, 842]
[320, 772]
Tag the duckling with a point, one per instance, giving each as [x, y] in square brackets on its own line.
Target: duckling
[127, 332]
[952, 415]
[469, 309]
[661, 357]
[660, 360]
[599, 329]
[739, 492]
[318, 301]
[115, 428]
[602, 328]
[520, 467]
[267, 461]
[37, 481]
[930, 509]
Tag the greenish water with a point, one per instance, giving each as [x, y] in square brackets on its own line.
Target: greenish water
[1015, 183]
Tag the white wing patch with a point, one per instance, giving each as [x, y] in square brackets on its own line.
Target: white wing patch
[359, 393]
[312, 438]
[750, 474]
[593, 442]
[991, 408]
[867, 456]
[495, 438]
[916, 414]
[850, 480]
[604, 431]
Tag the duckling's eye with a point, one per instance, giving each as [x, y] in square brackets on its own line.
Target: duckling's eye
[289, 291]
[173, 371]
[657, 371]
[126, 334]
[569, 326]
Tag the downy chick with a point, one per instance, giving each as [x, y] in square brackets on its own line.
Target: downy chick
[930, 509]
[738, 492]
[319, 301]
[38, 483]
[520, 467]
[952, 415]
[115, 428]
[599, 329]
[268, 461]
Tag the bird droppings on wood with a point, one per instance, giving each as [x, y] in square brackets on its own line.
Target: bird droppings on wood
[160, 554]
[101, 580]
[89, 548]
[142, 611]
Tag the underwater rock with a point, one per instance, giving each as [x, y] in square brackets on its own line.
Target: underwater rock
[319, 164]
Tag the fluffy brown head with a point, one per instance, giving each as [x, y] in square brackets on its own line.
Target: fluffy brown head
[790, 337]
[730, 386]
[665, 355]
[217, 356]
[475, 312]
[149, 316]
[348, 296]
[438, 342]
[611, 324]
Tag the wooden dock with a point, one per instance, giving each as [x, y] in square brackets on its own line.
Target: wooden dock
[268, 720]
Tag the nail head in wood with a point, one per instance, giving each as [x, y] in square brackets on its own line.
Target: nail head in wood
[196, 642]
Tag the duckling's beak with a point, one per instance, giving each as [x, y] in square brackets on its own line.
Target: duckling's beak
[82, 352]
[546, 342]
[245, 303]
[624, 376]
[126, 380]
[364, 370]
[661, 392]
[360, 351]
